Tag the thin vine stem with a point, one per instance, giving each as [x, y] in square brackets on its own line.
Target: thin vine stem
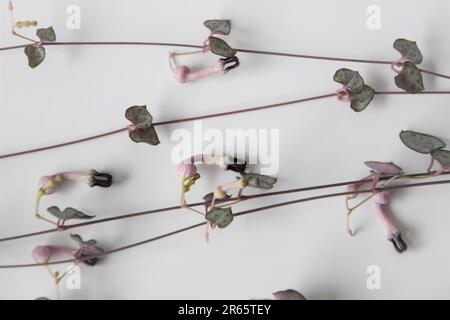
[202, 117]
[238, 214]
[243, 50]
[197, 204]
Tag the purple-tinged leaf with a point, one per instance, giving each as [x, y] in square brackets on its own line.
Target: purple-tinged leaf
[289, 294]
[385, 168]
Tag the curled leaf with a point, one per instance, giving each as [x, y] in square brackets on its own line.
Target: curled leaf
[289, 294]
[420, 142]
[143, 130]
[218, 26]
[220, 47]
[350, 79]
[442, 156]
[410, 78]
[409, 50]
[46, 34]
[385, 168]
[87, 249]
[221, 217]
[258, 180]
[35, 55]
[360, 100]
[68, 213]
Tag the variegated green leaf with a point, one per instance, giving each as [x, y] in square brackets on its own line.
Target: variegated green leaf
[220, 47]
[218, 26]
[410, 78]
[35, 55]
[221, 217]
[420, 142]
[349, 78]
[360, 100]
[46, 34]
[408, 50]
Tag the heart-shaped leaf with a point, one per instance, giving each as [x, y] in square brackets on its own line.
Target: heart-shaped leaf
[139, 116]
[442, 156]
[147, 135]
[68, 213]
[410, 78]
[35, 55]
[408, 50]
[360, 100]
[420, 142]
[350, 79]
[385, 168]
[218, 26]
[221, 217]
[220, 47]
[258, 180]
[144, 130]
[46, 34]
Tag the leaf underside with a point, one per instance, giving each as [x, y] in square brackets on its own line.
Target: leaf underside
[387, 168]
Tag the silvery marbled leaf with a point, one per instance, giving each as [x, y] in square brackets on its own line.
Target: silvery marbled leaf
[220, 47]
[147, 135]
[68, 213]
[143, 121]
[410, 78]
[420, 142]
[35, 55]
[409, 50]
[221, 217]
[360, 100]
[218, 26]
[46, 34]
[258, 180]
[139, 116]
[442, 156]
[349, 78]
[387, 168]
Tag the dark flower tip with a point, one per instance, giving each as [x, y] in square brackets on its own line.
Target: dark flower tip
[398, 242]
[99, 179]
[238, 166]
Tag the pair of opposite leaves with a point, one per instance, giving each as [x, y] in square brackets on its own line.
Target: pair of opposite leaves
[409, 78]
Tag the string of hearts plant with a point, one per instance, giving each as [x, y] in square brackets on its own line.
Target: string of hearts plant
[378, 186]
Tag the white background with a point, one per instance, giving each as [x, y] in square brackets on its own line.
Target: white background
[79, 91]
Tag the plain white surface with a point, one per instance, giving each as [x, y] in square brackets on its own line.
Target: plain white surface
[79, 91]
